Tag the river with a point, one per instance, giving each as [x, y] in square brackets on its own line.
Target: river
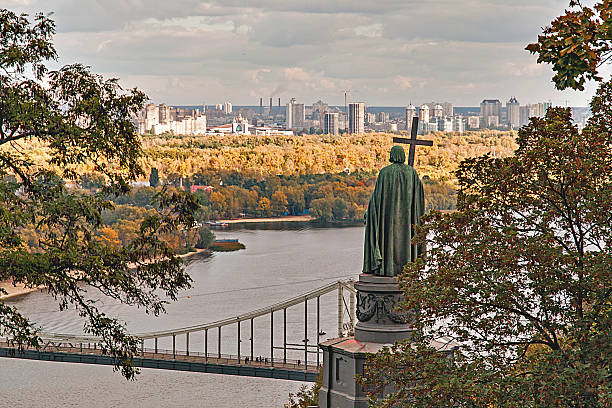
[279, 262]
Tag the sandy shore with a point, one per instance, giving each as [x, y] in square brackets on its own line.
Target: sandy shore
[14, 291]
[20, 289]
[289, 218]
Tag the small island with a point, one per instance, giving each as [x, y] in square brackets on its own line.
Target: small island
[226, 245]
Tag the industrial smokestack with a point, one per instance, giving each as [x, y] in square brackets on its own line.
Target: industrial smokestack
[261, 106]
[279, 102]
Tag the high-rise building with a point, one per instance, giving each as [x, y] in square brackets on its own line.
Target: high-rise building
[199, 126]
[151, 116]
[331, 123]
[437, 111]
[513, 113]
[445, 124]
[356, 117]
[227, 108]
[473, 122]
[542, 107]
[490, 108]
[370, 118]
[447, 108]
[459, 124]
[532, 110]
[424, 114]
[492, 122]
[295, 115]
[382, 117]
[410, 113]
[164, 113]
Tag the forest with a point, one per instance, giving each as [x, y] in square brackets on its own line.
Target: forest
[234, 176]
[315, 154]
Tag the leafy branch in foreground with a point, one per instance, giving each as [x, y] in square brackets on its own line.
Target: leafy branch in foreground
[577, 44]
[82, 119]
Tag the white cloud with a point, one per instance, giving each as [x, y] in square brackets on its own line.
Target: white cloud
[388, 52]
[531, 69]
[295, 73]
[403, 82]
[192, 23]
[103, 45]
[370, 31]
[19, 3]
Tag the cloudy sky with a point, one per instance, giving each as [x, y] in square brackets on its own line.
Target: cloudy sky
[386, 52]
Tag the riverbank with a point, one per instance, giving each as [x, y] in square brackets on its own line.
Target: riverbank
[288, 218]
[14, 291]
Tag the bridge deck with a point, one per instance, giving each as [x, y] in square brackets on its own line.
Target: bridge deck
[85, 349]
[165, 359]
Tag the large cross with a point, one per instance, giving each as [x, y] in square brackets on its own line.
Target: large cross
[413, 141]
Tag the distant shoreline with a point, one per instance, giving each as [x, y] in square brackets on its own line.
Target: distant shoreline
[21, 290]
[288, 218]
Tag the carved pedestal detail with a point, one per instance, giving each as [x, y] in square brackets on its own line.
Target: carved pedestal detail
[379, 321]
[379, 307]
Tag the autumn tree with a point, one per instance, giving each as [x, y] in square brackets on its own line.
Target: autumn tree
[322, 209]
[519, 278]
[84, 121]
[264, 206]
[109, 237]
[577, 44]
[278, 203]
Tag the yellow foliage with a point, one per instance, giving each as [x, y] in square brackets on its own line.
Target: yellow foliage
[315, 154]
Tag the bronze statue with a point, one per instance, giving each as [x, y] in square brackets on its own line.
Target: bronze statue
[396, 206]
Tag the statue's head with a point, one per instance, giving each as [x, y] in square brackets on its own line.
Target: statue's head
[397, 155]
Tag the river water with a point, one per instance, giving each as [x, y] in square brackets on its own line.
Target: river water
[278, 263]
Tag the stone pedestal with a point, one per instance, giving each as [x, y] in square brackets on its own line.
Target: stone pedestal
[379, 322]
[379, 325]
[343, 358]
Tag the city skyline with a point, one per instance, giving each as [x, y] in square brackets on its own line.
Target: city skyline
[388, 53]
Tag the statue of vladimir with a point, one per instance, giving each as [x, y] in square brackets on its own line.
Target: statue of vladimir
[396, 206]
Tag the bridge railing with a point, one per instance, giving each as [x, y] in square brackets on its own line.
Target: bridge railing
[240, 356]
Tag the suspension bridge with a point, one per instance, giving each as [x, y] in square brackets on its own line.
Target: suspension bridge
[291, 359]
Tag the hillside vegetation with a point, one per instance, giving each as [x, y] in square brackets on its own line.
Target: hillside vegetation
[315, 154]
[331, 177]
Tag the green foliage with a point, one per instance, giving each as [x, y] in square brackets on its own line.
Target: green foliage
[140, 197]
[83, 122]
[205, 237]
[519, 278]
[577, 44]
[339, 209]
[154, 177]
[306, 397]
[92, 181]
[329, 197]
[321, 209]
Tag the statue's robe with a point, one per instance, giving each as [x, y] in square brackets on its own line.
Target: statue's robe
[396, 205]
